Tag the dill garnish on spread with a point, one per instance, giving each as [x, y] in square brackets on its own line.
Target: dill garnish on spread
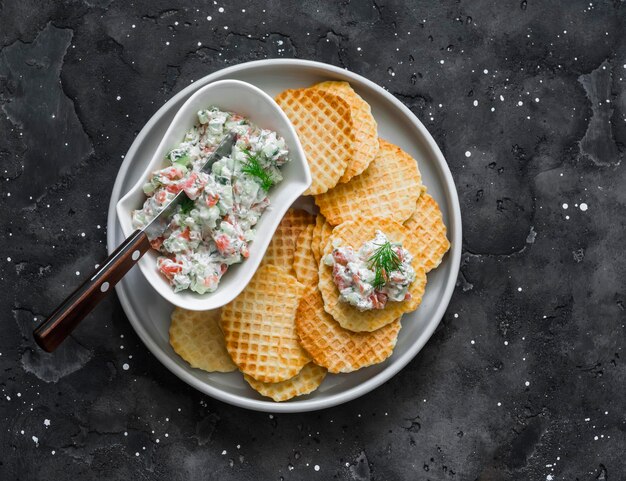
[378, 272]
[254, 168]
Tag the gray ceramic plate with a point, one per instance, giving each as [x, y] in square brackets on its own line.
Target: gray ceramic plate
[149, 313]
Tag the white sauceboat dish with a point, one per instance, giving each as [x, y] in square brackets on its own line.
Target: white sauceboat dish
[259, 108]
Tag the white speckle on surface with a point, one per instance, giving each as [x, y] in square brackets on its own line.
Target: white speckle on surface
[209, 18]
[475, 103]
[520, 103]
[46, 422]
[501, 98]
[499, 404]
[125, 433]
[565, 206]
[136, 454]
[468, 153]
[316, 467]
[78, 273]
[527, 383]
[506, 343]
[224, 453]
[221, 9]
[472, 341]
[519, 289]
[8, 259]
[549, 477]
[36, 440]
[583, 207]
[595, 438]
[125, 366]
[485, 71]
[536, 99]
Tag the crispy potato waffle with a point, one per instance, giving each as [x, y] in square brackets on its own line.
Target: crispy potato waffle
[327, 229]
[429, 231]
[259, 326]
[338, 349]
[283, 245]
[304, 264]
[197, 338]
[355, 233]
[317, 235]
[325, 129]
[389, 187]
[306, 381]
[365, 127]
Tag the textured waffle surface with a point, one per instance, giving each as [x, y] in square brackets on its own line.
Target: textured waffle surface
[259, 326]
[365, 127]
[427, 226]
[305, 382]
[389, 187]
[196, 336]
[338, 349]
[282, 247]
[325, 128]
[304, 264]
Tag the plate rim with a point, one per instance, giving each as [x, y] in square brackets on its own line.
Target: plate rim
[306, 405]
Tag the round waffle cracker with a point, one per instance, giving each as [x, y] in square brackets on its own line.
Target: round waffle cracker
[304, 264]
[365, 127]
[429, 231]
[338, 349]
[389, 187]
[355, 233]
[317, 234]
[196, 336]
[327, 229]
[283, 244]
[259, 326]
[305, 382]
[325, 128]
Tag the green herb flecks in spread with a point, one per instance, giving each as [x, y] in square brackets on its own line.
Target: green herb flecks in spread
[213, 227]
[378, 272]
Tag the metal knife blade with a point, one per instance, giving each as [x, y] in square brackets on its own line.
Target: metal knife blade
[159, 224]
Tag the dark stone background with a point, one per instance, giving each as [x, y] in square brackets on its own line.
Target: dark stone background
[525, 377]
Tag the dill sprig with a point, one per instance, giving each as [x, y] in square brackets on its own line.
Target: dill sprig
[384, 260]
[186, 204]
[254, 168]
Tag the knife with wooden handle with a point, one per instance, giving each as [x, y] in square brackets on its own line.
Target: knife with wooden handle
[81, 302]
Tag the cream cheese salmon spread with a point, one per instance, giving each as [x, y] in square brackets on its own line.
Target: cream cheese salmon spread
[213, 227]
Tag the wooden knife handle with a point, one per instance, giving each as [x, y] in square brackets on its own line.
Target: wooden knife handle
[67, 316]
